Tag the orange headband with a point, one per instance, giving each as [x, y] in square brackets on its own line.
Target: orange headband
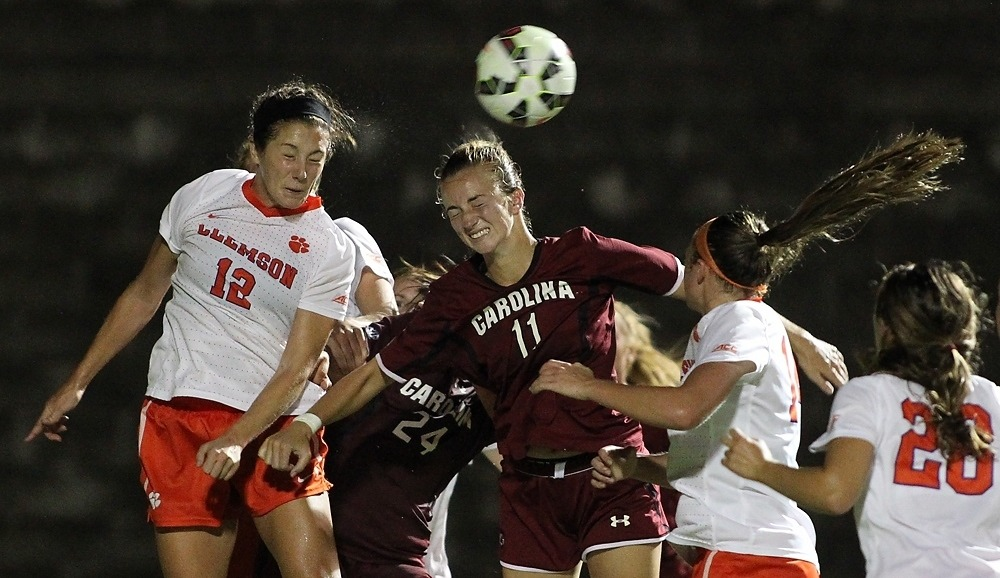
[701, 247]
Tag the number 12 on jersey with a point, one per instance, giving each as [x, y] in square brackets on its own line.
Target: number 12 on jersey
[239, 285]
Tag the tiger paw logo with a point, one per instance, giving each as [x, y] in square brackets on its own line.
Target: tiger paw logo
[154, 499]
[298, 244]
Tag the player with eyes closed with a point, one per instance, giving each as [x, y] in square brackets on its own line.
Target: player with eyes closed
[259, 275]
[494, 320]
[738, 371]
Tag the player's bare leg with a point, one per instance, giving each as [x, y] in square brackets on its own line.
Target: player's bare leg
[638, 561]
[309, 551]
[196, 552]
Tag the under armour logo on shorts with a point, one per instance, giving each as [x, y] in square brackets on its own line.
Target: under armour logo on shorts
[615, 520]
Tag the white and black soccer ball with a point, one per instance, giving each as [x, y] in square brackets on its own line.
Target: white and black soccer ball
[525, 76]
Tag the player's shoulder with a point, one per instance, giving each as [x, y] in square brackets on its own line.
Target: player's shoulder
[582, 239]
[573, 246]
[874, 386]
[210, 187]
[878, 379]
[986, 384]
[575, 236]
[353, 228]
[463, 273]
[461, 289]
[359, 235]
[985, 388]
[221, 179]
[748, 307]
[739, 313]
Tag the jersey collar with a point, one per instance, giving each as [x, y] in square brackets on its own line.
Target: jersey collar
[311, 202]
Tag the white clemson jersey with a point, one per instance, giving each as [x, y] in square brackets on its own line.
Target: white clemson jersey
[719, 510]
[921, 515]
[243, 269]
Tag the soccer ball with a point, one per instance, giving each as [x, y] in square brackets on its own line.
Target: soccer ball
[525, 76]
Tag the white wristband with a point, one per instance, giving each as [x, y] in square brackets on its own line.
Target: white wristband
[310, 419]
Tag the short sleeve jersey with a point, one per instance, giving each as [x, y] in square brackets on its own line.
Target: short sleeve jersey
[367, 254]
[921, 515]
[389, 461]
[498, 337]
[243, 269]
[718, 509]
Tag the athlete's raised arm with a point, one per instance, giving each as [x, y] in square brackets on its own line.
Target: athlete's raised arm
[131, 312]
[291, 448]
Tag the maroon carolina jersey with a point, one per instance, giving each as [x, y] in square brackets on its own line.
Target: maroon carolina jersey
[389, 461]
[499, 337]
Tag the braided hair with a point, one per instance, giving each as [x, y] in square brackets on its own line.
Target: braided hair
[927, 319]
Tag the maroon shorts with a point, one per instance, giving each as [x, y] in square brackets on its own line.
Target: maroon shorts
[355, 568]
[181, 494]
[551, 523]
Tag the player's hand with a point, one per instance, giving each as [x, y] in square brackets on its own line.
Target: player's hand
[569, 379]
[746, 457]
[822, 363]
[52, 421]
[219, 458]
[348, 346]
[321, 373]
[612, 464]
[289, 450]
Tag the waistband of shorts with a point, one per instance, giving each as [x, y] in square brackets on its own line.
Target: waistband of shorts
[184, 403]
[558, 468]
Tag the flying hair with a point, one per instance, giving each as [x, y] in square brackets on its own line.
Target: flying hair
[750, 256]
[903, 172]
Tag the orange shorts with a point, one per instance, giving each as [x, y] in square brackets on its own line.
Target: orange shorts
[718, 564]
[181, 494]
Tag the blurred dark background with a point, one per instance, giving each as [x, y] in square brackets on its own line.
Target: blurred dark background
[683, 109]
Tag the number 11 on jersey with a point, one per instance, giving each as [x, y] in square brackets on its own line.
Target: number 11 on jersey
[531, 324]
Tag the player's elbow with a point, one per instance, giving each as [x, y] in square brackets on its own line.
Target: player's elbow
[685, 416]
[834, 507]
[142, 299]
[836, 499]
